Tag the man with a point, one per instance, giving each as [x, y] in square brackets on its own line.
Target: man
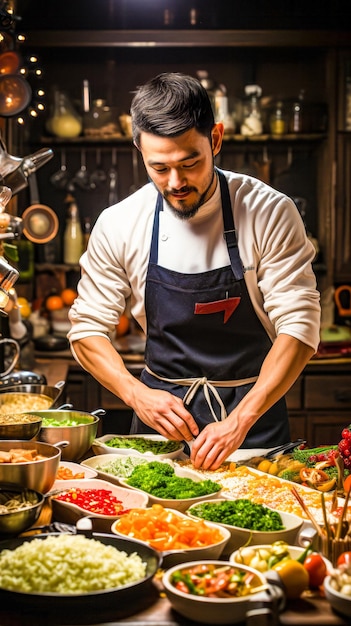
[217, 268]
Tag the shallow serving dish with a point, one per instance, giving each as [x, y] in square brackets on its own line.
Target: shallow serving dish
[100, 446]
[339, 601]
[119, 473]
[71, 513]
[181, 504]
[244, 536]
[215, 610]
[74, 469]
[172, 557]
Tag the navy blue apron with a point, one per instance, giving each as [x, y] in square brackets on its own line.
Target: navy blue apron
[203, 334]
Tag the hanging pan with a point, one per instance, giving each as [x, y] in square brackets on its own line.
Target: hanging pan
[40, 223]
[15, 94]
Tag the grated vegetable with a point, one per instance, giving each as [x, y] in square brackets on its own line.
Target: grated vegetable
[67, 564]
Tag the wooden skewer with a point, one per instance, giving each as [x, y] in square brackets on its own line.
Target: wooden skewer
[308, 512]
[342, 516]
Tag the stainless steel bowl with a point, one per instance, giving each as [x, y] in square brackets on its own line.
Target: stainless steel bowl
[38, 475]
[9, 395]
[16, 522]
[17, 429]
[79, 437]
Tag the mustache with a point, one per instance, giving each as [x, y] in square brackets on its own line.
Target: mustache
[185, 189]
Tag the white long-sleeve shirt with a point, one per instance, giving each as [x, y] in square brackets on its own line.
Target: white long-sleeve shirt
[274, 249]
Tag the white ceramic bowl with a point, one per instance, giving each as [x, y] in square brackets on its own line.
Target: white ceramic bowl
[100, 446]
[71, 513]
[340, 602]
[181, 504]
[211, 610]
[294, 551]
[95, 462]
[243, 536]
[75, 468]
[172, 557]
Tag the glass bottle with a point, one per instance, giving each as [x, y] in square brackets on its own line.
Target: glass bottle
[64, 120]
[87, 231]
[252, 119]
[348, 97]
[209, 84]
[278, 120]
[73, 235]
[296, 121]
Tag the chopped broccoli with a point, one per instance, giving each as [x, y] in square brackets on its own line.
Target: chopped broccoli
[160, 480]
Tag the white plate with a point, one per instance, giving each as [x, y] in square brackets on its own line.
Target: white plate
[100, 446]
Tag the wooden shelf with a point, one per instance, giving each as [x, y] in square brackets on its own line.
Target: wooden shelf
[187, 38]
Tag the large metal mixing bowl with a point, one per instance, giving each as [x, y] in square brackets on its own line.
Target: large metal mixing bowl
[17, 521]
[38, 475]
[24, 396]
[79, 437]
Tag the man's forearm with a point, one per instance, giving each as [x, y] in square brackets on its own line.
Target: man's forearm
[98, 357]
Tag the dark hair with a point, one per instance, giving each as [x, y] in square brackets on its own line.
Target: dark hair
[169, 105]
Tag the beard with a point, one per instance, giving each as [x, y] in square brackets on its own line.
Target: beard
[185, 211]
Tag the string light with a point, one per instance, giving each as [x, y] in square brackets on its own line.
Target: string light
[29, 68]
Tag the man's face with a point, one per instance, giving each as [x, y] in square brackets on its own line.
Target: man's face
[182, 168]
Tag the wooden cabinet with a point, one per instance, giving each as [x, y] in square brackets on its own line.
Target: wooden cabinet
[319, 403]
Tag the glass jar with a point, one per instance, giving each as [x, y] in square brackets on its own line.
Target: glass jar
[99, 121]
[64, 120]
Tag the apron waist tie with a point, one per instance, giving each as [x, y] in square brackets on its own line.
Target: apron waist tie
[208, 385]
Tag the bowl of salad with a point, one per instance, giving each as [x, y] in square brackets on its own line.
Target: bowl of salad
[173, 534]
[143, 445]
[249, 523]
[172, 486]
[218, 592]
[77, 427]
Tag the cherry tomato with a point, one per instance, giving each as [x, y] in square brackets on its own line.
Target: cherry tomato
[344, 558]
[313, 475]
[316, 568]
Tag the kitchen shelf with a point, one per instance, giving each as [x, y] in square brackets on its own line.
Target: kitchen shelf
[186, 38]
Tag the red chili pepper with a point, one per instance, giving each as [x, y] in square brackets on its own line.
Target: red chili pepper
[100, 501]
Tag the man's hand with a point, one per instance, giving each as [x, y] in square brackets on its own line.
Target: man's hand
[165, 413]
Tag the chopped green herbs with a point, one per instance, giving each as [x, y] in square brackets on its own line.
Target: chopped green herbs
[242, 513]
[159, 479]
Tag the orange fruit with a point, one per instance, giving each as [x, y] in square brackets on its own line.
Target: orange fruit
[68, 296]
[54, 303]
[123, 326]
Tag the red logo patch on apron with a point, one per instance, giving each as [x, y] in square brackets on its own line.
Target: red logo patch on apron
[228, 307]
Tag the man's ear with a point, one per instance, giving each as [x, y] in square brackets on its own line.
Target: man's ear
[217, 138]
